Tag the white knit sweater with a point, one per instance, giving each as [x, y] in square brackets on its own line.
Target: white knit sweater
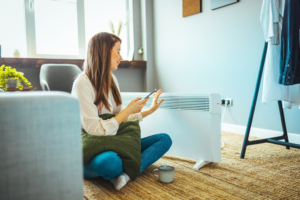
[83, 90]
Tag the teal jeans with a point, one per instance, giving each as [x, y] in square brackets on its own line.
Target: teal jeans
[109, 165]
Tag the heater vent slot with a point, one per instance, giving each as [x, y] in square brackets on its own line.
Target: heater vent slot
[177, 102]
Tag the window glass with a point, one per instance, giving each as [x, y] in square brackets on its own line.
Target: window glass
[12, 31]
[56, 27]
[98, 14]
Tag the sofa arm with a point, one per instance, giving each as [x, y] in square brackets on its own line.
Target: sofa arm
[40, 146]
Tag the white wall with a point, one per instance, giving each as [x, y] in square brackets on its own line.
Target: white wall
[215, 51]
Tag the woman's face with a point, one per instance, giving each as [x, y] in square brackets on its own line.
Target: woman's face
[115, 56]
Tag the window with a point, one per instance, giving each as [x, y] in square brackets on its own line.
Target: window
[55, 28]
[59, 28]
[12, 34]
[56, 32]
[98, 14]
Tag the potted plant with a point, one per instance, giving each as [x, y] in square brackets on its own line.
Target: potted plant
[11, 78]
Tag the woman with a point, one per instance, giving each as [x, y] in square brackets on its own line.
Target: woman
[98, 92]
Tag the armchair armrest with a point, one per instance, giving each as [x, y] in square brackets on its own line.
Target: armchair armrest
[40, 146]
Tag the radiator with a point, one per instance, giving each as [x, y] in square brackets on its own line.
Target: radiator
[193, 121]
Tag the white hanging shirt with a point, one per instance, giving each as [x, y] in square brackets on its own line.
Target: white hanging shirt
[83, 90]
[271, 21]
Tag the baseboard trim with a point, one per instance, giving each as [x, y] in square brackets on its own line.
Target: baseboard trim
[258, 132]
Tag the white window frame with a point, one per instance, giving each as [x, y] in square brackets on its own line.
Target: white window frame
[134, 31]
[31, 37]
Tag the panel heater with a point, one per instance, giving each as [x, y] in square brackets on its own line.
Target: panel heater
[193, 121]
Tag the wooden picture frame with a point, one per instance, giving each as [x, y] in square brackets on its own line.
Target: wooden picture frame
[191, 7]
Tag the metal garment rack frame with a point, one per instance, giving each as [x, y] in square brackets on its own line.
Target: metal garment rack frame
[274, 140]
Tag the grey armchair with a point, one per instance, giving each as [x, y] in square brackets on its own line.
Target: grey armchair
[40, 146]
[58, 77]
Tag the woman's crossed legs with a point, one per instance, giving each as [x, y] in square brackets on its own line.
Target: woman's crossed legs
[109, 165]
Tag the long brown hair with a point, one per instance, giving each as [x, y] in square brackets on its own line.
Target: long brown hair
[97, 67]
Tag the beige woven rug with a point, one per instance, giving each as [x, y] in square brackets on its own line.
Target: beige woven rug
[268, 172]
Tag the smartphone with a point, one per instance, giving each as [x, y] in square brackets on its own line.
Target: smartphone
[150, 93]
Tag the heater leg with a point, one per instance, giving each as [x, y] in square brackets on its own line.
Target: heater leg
[200, 164]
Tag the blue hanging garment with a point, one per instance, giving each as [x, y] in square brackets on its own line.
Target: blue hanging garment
[290, 52]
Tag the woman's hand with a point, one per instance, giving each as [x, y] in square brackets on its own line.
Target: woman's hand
[155, 105]
[136, 106]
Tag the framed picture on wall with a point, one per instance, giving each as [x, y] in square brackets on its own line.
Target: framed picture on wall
[214, 4]
[191, 7]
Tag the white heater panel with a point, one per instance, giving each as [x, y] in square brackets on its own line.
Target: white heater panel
[193, 121]
[190, 137]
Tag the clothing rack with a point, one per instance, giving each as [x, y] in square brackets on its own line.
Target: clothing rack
[273, 140]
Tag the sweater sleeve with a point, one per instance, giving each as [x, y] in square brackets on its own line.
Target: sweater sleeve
[135, 116]
[130, 117]
[120, 108]
[83, 90]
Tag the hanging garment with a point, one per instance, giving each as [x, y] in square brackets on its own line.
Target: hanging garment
[290, 53]
[271, 20]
